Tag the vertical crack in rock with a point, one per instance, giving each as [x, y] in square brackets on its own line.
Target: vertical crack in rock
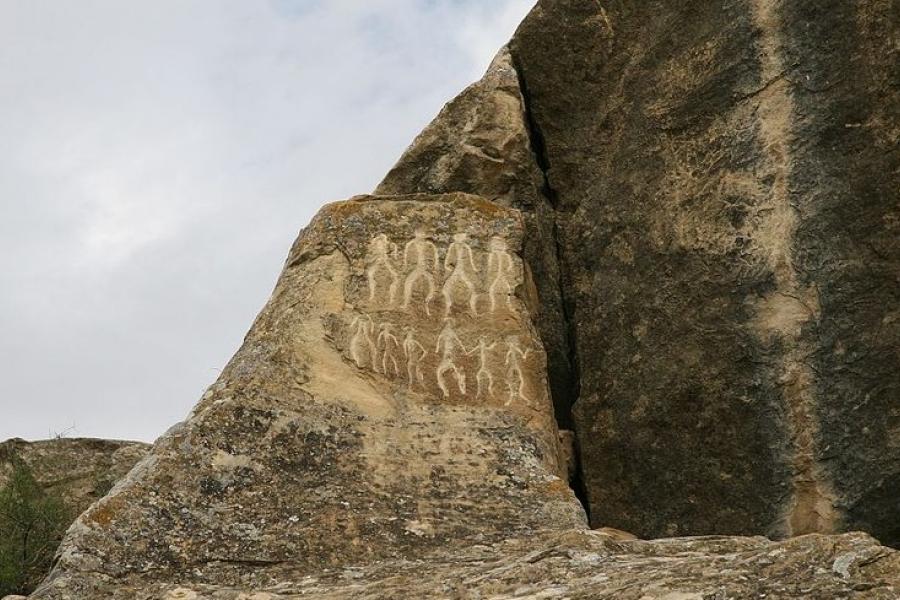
[479, 144]
[483, 143]
[541, 158]
[783, 314]
[536, 138]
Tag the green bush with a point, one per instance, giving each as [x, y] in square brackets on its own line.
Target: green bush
[32, 523]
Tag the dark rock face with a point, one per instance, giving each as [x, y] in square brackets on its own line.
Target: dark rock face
[670, 370]
[727, 180]
[845, 178]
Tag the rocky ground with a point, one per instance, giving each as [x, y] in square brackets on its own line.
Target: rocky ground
[585, 565]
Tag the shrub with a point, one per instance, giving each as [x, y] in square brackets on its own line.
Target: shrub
[32, 523]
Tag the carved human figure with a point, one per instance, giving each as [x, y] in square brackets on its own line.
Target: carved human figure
[362, 344]
[484, 377]
[389, 346]
[458, 262]
[421, 254]
[515, 379]
[381, 250]
[450, 348]
[501, 271]
[415, 353]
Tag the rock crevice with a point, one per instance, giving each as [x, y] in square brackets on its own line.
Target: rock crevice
[566, 404]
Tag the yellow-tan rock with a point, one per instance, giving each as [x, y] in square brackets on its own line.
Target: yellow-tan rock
[390, 401]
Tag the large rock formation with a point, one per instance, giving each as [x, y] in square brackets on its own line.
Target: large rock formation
[719, 210]
[726, 179]
[641, 206]
[389, 401]
[80, 471]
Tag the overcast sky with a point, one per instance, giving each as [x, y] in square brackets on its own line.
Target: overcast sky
[157, 159]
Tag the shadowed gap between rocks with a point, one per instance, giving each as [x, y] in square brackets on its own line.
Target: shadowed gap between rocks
[563, 406]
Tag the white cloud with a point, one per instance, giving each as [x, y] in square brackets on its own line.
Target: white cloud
[158, 159]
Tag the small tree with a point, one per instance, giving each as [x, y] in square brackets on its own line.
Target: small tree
[32, 523]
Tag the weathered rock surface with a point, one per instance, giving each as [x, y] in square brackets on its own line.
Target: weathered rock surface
[581, 565]
[389, 401]
[727, 184]
[81, 471]
[719, 212]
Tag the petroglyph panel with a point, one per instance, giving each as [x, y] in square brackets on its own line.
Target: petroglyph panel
[491, 369]
[462, 276]
[432, 307]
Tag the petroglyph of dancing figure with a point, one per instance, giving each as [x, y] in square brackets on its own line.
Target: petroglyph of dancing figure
[500, 263]
[389, 346]
[459, 256]
[484, 377]
[380, 251]
[424, 261]
[515, 380]
[362, 343]
[449, 347]
[415, 353]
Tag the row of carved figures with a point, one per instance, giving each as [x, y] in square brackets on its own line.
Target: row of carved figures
[381, 348]
[419, 265]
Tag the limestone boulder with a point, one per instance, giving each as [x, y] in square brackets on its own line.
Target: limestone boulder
[391, 400]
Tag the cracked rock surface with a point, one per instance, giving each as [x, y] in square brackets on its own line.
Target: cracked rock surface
[586, 565]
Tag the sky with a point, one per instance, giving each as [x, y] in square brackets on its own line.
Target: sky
[157, 160]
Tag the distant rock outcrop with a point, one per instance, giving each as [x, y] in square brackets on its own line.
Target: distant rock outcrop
[80, 471]
[664, 215]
